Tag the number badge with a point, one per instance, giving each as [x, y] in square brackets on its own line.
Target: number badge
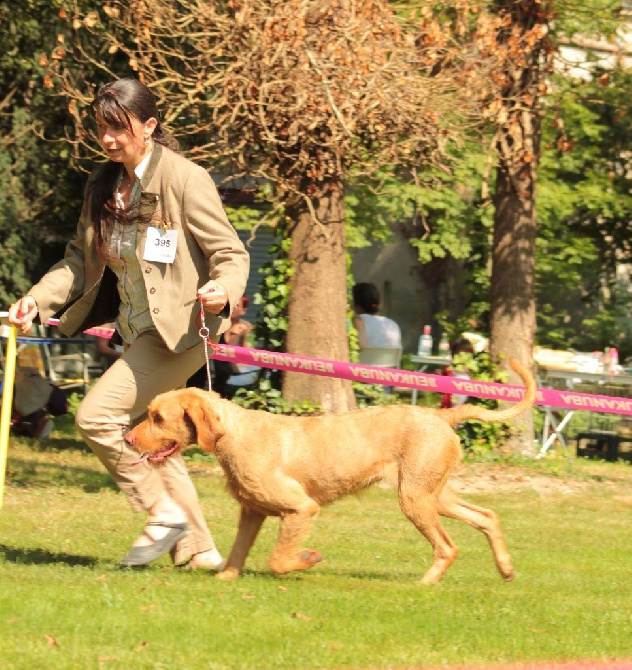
[161, 245]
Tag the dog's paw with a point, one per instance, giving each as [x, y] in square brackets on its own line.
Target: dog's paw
[228, 574]
[310, 557]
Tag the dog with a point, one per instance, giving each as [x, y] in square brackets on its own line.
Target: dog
[288, 466]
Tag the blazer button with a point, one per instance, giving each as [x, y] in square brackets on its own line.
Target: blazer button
[152, 290]
[147, 270]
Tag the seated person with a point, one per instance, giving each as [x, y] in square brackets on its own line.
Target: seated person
[457, 369]
[373, 329]
[35, 402]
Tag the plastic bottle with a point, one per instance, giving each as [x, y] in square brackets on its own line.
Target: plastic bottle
[425, 342]
[444, 346]
[598, 365]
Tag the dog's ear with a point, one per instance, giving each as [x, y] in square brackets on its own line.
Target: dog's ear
[206, 422]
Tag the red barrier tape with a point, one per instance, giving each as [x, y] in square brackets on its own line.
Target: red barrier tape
[370, 374]
[420, 380]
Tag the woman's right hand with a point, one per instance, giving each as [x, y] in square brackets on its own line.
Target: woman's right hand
[23, 313]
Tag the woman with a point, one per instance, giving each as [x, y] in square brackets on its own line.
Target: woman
[153, 244]
[373, 330]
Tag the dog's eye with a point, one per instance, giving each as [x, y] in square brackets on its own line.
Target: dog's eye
[157, 419]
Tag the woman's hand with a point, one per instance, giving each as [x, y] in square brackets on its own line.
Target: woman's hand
[213, 297]
[23, 312]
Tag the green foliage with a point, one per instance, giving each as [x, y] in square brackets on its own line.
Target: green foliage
[583, 204]
[40, 195]
[19, 244]
[596, 17]
[366, 219]
[476, 437]
[368, 395]
[244, 217]
[273, 297]
[270, 400]
[585, 209]
[74, 400]
[270, 332]
[436, 212]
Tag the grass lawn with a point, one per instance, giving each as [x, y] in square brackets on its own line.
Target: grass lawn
[65, 605]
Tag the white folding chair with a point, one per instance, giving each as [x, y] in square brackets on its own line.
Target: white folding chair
[66, 361]
[384, 357]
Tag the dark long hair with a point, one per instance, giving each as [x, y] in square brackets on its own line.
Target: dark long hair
[367, 297]
[117, 102]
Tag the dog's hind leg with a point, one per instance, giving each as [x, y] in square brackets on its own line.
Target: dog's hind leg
[420, 506]
[299, 509]
[482, 519]
[249, 526]
[422, 475]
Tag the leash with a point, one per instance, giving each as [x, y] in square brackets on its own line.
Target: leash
[204, 334]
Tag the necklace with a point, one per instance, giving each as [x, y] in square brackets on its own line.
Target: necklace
[118, 195]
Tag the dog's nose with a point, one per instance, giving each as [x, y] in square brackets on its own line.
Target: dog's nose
[129, 438]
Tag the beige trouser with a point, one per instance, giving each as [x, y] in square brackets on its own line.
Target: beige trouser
[118, 401]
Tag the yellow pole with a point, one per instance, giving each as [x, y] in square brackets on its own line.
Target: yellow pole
[7, 404]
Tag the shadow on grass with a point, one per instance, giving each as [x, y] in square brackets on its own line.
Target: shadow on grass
[54, 443]
[43, 557]
[27, 474]
[332, 573]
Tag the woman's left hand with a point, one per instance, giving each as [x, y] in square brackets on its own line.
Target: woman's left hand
[213, 297]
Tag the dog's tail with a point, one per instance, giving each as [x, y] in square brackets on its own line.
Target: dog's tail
[467, 411]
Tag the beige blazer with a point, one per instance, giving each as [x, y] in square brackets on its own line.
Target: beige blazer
[177, 194]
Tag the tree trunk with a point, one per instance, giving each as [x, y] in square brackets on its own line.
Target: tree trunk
[318, 307]
[512, 301]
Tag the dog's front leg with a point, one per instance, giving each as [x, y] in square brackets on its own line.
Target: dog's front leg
[294, 527]
[249, 526]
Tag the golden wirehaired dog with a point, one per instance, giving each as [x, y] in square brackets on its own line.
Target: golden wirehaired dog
[288, 466]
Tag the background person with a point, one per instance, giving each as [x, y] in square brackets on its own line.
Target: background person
[107, 349]
[457, 369]
[152, 241]
[239, 329]
[227, 376]
[235, 336]
[373, 329]
[35, 402]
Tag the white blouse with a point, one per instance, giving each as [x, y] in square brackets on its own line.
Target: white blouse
[381, 331]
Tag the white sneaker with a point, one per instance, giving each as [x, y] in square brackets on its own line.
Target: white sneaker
[212, 562]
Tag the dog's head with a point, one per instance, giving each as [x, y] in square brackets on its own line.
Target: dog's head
[176, 420]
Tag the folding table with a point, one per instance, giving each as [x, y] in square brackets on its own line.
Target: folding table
[556, 420]
[427, 363]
